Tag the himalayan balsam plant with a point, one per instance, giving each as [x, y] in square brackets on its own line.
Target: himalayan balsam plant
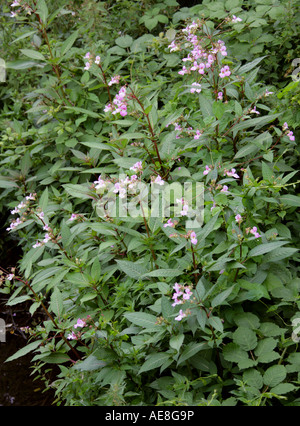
[141, 308]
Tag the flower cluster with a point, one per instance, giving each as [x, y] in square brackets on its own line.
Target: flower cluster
[119, 104]
[21, 208]
[181, 295]
[201, 58]
[79, 324]
[26, 7]
[253, 231]
[90, 61]
[288, 132]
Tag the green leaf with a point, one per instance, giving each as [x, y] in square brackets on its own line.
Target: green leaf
[154, 361]
[274, 375]
[246, 150]
[190, 350]
[6, 182]
[24, 351]
[124, 41]
[33, 54]
[171, 273]
[266, 248]
[78, 191]
[57, 302]
[141, 319]
[245, 338]
[22, 64]
[253, 378]
[290, 200]
[205, 106]
[42, 10]
[91, 363]
[176, 341]
[68, 43]
[82, 111]
[134, 270]
[221, 298]
[283, 388]
[250, 65]
[17, 300]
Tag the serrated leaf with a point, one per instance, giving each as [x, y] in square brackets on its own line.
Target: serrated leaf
[33, 54]
[57, 302]
[154, 361]
[17, 300]
[68, 43]
[190, 350]
[141, 319]
[283, 388]
[24, 351]
[250, 65]
[176, 342]
[245, 338]
[132, 269]
[290, 200]
[171, 273]
[274, 375]
[253, 378]
[266, 248]
[91, 363]
[221, 298]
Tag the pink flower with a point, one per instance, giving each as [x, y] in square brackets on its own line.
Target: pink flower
[184, 210]
[194, 238]
[87, 66]
[224, 189]
[10, 277]
[187, 295]
[285, 126]
[198, 134]
[159, 181]
[254, 111]
[87, 55]
[169, 223]
[137, 167]
[291, 136]
[114, 80]
[80, 323]
[100, 183]
[254, 232]
[232, 173]
[220, 96]
[73, 217]
[235, 19]
[97, 60]
[37, 244]
[207, 170]
[225, 72]
[30, 197]
[238, 218]
[183, 71]
[47, 238]
[180, 316]
[268, 93]
[72, 336]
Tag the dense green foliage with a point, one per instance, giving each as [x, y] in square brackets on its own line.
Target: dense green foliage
[103, 97]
